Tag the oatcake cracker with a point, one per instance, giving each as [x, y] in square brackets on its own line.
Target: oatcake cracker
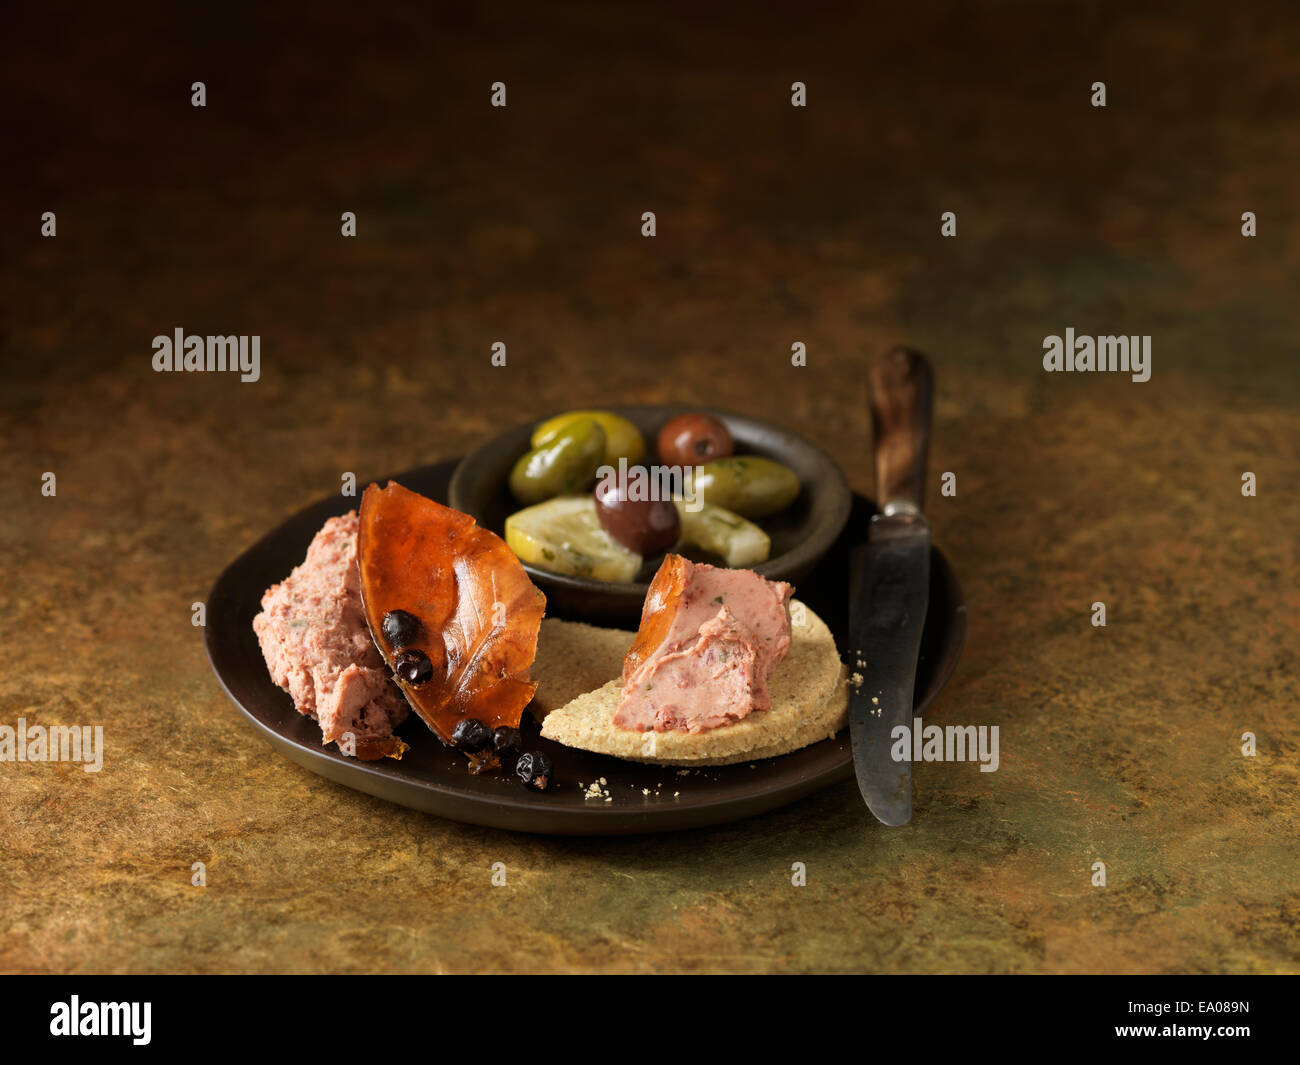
[809, 701]
[573, 658]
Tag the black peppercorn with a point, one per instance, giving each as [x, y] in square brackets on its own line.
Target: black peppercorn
[400, 629]
[471, 735]
[505, 738]
[534, 769]
[412, 666]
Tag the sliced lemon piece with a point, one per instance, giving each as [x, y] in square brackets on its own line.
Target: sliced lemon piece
[563, 535]
[722, 532]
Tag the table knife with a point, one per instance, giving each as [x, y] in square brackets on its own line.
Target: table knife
[890, 587]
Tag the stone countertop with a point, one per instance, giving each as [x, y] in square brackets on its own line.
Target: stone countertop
[775, 224]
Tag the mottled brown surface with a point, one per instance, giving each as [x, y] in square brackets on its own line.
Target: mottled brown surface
[775, 225]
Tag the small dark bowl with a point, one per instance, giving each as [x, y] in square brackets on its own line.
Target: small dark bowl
[800, 534]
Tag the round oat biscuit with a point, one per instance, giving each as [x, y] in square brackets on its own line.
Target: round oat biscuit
[809, 702]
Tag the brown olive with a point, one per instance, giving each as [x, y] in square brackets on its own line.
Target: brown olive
[692, 439]
[646, 526]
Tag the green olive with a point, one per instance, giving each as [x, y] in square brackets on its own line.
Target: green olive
[567, 463]
[623, 440]
[752, 486]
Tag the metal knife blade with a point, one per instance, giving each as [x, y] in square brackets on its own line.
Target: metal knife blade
[890, 585]
[890, 588]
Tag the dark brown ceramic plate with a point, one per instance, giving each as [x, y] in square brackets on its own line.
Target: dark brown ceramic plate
[433, 778]
[800, 534]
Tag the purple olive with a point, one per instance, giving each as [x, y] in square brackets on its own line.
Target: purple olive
[694, 439]
[646, 526]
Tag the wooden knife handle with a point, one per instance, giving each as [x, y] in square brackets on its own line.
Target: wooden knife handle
[901, 400]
